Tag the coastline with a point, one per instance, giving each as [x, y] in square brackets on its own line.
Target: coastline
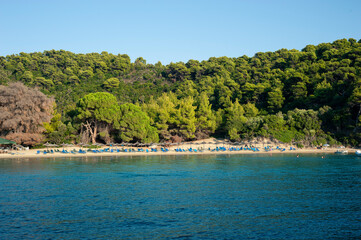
[32, 153]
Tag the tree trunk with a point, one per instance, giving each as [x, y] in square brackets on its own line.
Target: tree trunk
[94, 133]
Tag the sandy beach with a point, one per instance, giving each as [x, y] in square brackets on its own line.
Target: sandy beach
[202, 146]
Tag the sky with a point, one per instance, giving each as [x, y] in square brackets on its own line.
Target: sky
[174, 31]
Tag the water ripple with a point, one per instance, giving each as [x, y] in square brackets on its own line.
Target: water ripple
[182, 197]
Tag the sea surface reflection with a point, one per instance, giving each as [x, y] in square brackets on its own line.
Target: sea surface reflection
[181, 197]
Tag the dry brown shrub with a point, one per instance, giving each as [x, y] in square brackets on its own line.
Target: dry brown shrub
[176, 139]
[23, 112]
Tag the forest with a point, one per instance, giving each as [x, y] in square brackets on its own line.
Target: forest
[308, 97]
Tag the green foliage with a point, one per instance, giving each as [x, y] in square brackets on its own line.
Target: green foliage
[206, 119]
[250, 110]
[135, 125]
[196, 99]
[186, 119]
[300, 119]
[58, 132]
[111, 83]
[99, 106]
[286, 136]
[275, 100]
[98, 110]
[235, 120]
[300, 145]
[162, 114]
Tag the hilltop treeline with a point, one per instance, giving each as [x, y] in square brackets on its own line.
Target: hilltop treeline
[311, 97]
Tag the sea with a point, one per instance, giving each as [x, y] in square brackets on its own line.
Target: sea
[253, 196]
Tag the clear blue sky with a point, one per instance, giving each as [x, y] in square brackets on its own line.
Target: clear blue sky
[173, 31]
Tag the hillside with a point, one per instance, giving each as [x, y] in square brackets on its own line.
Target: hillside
[310, 96]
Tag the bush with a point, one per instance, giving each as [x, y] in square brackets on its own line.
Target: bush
[299, 145]
[285, 136]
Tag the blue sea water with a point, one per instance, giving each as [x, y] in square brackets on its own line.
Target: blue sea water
[182, 197]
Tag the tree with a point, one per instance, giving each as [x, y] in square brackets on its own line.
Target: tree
[177, 71]
[206, 119]
[187, 88]
[323, 92]
[355, 101]
[250, 110]
[46, 83]
[275, 99]
[186, 119]
[163, 114]
[98, 110]
[27, 77]
[324, 74]
[299, 90]
[235, 121]
[140, 63]
[134, 125]
[307, 122]
[22, 118]
[58, 132]
[4, 75]
[111, 83]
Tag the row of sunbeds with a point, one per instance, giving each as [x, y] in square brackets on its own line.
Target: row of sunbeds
[128, 150]
[111, 150]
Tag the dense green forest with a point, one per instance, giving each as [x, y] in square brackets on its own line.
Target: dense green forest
[308, 97]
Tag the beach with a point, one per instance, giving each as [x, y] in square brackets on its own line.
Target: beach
[202, 147]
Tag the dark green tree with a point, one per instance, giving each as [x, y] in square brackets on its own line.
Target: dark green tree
[98, 110]
[134, 125]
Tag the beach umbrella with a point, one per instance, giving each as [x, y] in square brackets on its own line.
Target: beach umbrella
[153, 145]
[4, 141]
[99, 144]
[47, 144]
[66, 145]
[50, 145]
[130, 144]
[84, 145]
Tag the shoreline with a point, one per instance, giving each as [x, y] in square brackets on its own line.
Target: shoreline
[32, 153]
